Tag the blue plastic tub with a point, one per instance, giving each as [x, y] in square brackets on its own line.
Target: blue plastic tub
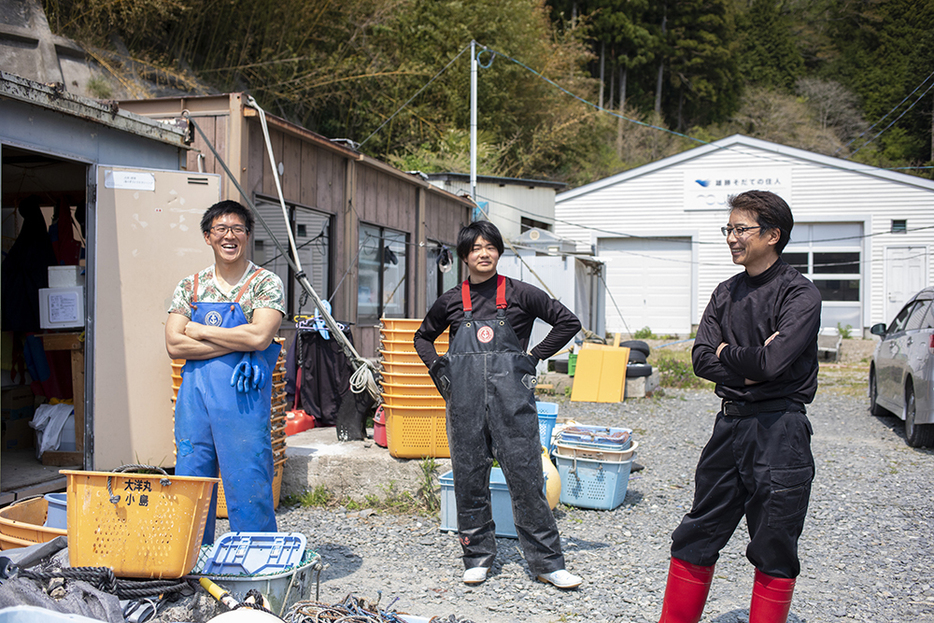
[254, 553]
[547, 416]
[57, 516]
[596, 437]
[594, 484]
[500, 500]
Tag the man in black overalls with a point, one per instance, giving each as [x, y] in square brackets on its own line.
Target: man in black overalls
[487, 378]
[757, 340]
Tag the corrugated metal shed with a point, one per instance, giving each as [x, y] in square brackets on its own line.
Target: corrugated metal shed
[843, 210]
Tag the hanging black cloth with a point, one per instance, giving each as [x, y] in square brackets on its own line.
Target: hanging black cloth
[26, 269]
[325, 374]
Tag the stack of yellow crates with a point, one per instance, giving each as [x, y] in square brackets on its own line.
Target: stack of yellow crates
[415, 413]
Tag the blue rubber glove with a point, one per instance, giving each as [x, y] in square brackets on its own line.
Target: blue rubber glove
[260, 370]
[241, 374]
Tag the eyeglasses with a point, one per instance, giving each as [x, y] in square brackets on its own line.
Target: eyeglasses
[221, 230]
[739, 232]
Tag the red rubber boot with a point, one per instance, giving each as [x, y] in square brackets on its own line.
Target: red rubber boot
[771, 599]
[686, 592]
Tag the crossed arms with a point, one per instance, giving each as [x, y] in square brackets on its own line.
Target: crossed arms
[185, 339]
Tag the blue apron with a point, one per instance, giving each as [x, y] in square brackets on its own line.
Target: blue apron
[219, 427]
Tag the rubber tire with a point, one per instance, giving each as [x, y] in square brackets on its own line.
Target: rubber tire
[874, 408]
[917, 435]
[561, 366]
[637, 370]
[637, 356]
[638, 345]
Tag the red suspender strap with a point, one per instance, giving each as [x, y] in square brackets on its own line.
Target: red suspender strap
[500, 294]
[465, 295]
[194, 292]
[246, 284]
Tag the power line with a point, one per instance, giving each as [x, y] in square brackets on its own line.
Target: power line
[417, 93]
[869, 129]
[894, 121]
[613, 113]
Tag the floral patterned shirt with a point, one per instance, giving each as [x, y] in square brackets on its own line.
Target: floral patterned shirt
[265, 290]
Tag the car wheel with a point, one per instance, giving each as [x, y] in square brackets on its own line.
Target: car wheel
[917, 435]
[637, 356]
[638, 345]
[874, 408]
[639, 369]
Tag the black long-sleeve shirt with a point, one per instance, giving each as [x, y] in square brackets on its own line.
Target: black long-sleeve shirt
[524, 303]
[743, 312]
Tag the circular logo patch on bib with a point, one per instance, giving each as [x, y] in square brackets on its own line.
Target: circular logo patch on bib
[484, 334]
[213, 319]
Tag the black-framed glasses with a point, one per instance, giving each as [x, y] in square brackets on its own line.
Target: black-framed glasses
[739, 232]
[221, 230]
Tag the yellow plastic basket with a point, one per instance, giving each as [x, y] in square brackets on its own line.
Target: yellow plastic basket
[21, 524]
[401, 324]
[413, 400]
[416, 432]
[152, 528]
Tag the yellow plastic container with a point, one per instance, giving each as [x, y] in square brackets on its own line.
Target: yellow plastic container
[21, 524]
[405, 368]
[397, 356]
[406, 378]
[401, 324]
[410, 389]
[416, 432]
[413, 400]
[152, 528]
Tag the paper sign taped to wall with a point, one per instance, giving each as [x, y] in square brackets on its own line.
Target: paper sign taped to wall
[63, 307]
[130, 180]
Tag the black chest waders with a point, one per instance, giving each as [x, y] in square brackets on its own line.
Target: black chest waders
[488, 382]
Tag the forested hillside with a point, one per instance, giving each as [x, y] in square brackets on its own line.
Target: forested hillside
[568, 90]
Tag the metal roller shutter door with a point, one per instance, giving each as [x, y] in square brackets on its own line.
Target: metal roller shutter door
[650, 281]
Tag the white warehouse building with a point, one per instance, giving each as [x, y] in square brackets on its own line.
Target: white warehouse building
[864, 235]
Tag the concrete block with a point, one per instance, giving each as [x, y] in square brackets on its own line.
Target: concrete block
[642, 386]
[351, 469]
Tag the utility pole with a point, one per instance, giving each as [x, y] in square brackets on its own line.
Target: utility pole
[473, 120]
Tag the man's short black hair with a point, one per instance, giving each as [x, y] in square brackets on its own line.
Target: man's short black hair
[469, 234]
[226, 207]
[770, 210]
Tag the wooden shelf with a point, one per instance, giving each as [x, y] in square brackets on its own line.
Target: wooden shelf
[73, 343]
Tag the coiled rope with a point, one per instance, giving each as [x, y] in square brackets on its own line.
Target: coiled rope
[103, 578]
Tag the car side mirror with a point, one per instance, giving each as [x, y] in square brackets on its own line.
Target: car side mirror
[878, 329]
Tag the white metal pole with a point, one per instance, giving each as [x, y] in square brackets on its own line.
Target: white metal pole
[473, 120]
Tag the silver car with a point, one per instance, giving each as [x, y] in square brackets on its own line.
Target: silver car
[901, 376]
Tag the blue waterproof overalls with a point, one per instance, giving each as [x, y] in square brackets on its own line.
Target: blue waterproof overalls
[488, 382]
[216, 425]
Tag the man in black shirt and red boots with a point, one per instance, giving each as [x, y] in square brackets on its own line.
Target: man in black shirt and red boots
[487, 378]
[757, 341]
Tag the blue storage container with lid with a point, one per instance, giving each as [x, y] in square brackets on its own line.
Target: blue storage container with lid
[253, 553]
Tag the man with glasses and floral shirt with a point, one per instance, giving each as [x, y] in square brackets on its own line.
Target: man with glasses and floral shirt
[222, 321]
[757, 340]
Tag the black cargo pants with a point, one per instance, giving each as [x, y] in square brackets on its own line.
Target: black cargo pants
[756, 463]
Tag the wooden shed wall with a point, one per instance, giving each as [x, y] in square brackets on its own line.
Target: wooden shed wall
[319, 175]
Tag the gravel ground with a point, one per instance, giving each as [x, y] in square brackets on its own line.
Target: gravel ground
[865, 553]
